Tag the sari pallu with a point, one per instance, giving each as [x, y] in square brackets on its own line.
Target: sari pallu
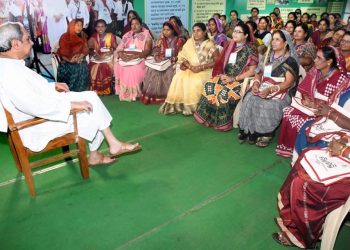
[294, 118]
[307, 49]
[101, 71]
[129, 78]
[260, 115]
[156, 83]
[186, 86]
[219, 100]
[76, 75]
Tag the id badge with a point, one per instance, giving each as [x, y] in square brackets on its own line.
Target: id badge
[132, 46]
[168, 53]
[268, 71]
[233, 58]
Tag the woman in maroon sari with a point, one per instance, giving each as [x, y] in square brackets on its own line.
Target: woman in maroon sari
[323, 35]
[101, 48]
[320, 83]
[304, 201]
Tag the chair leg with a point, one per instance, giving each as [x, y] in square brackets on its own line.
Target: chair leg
[83, 161]
[65, 149]
[27, 171]
[14, 154]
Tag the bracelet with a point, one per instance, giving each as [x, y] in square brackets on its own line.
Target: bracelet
[345, 152]
[329, 113]
[202, 67]
[336, 118]
[278, 88]
[256, 80]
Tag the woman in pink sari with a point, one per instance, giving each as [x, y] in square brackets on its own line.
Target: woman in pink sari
[129, 67]
[318, 85]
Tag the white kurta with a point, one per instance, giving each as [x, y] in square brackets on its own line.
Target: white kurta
[55, 28]
[26, 94]
[80, 11]
[104, 12]
[120, 10]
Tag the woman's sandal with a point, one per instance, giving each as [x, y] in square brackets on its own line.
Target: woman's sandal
[282, 239]
[263, 141]
[127, 149]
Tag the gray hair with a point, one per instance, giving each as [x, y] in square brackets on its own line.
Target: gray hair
[9, 31]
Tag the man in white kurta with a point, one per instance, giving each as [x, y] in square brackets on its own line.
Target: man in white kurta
[122, 8]
[26, 94]
[77, 9]
[56, 13]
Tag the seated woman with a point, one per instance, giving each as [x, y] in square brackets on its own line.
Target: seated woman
[323, 35]
[156, 83]
[336, 38]
[216, 32]
[183, 31]
[196, 60]
[101, 47]
[262, 107]
[290, 27]
[222, 93]
[262, 28]
[345, 50]
[319, 84]
[131, 15]
[303, 201]
[306, 50]
[73, 68]
[276, 22]
[134, 47]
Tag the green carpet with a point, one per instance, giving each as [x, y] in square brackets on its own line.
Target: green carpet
[191, 187]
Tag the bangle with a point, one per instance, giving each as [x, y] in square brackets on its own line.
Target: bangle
[256, 80]
[202, 67]
[336, 118]
[345, 152]
[329, 113]
[278, 88]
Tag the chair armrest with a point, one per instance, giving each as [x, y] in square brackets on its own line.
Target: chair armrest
[26, 124]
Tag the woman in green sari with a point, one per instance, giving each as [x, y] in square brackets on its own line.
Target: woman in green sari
[222, 93]
[196, 60]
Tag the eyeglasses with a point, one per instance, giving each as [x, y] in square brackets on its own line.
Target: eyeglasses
[345, 41]
[238, 31]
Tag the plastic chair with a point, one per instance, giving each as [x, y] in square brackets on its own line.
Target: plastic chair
[332, 224]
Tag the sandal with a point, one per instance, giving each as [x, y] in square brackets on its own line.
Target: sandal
[242, 137]
[282, 239]
[103, 161]
[263, 141]
[126, 148]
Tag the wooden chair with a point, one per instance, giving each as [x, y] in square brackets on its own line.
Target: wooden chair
[22, 154]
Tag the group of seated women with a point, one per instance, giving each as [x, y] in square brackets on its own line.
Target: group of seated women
[254, 80]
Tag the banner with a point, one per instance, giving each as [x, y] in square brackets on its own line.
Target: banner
[203, 10]
[159, 11]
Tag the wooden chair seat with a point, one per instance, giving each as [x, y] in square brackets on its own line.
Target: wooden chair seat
[22, 154]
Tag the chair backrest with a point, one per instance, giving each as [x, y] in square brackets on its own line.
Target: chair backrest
[332, 224]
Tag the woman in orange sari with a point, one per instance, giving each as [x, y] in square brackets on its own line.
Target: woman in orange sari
[73, 68]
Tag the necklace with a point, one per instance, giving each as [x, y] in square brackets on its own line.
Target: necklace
[277, 58]
[322, 77]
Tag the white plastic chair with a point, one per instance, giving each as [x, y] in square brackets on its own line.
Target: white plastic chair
[332, 224]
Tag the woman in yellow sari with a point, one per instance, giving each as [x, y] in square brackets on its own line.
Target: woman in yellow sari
[196, 60]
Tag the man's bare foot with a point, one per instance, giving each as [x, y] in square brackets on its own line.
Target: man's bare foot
[100, 159]
[124, 148]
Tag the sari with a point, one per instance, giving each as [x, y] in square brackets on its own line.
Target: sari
[186, 86]
[101, 70]
[219, 100]
[321, 42]
[76, 75]
[262, 115]
[129, 78]
[347, 64]
[293, 117]
[156, 83]
[220, 38]
[303, 203]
